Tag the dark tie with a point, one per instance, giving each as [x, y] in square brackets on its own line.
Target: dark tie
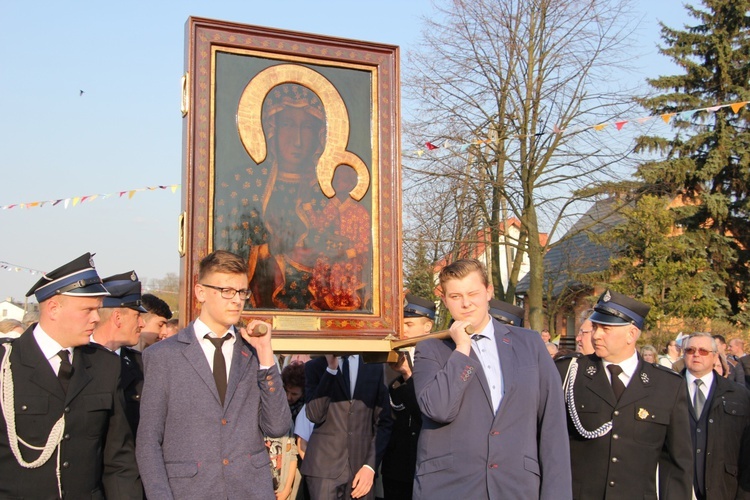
[220, 365]
[347, 378]
[617, 386]
[699, 399]
[66, 369]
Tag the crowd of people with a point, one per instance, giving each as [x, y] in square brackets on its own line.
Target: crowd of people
[101, 400]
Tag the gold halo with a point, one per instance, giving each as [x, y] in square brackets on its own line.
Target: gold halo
[334, 154]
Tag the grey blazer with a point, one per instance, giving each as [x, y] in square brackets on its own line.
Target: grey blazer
[189, 446]
[467, 451]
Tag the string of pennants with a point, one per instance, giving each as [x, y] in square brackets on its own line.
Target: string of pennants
[618, 124]
[15, 267]
[78, 200]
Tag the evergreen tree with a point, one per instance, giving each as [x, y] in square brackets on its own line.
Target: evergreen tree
[419, 278]
[705, 165]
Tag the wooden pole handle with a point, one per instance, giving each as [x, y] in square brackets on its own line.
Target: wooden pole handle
[443, 334]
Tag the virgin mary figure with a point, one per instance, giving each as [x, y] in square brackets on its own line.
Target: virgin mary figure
[284, 243]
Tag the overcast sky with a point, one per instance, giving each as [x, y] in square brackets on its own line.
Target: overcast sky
[125, 131]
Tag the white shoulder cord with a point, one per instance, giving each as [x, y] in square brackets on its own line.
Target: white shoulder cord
[9, 412]
[568, 385]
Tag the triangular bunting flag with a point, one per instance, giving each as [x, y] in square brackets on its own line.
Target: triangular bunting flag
[621, 124]
[430, 146]
[131, 194]
[667, 116]
[174, 188]
[599, 127]
[420, 152]
[737, 106]
[67, 202]
[76, 200]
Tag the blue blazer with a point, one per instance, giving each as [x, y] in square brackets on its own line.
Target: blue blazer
[465, 449]
[189, 445]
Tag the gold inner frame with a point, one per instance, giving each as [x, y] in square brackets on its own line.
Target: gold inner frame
[374, 173]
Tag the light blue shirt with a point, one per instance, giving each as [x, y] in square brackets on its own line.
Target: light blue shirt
[485, 348]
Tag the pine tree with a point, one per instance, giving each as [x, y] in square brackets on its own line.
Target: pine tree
[418, 277]
[706, 164]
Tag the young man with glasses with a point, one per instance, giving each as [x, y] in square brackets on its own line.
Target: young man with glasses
[719, 424]
[210, 395]
[625, 416]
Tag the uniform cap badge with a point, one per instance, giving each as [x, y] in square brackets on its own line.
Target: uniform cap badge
[642, 413]
[607, 296]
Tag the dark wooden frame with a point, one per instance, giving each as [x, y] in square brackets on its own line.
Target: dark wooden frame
[208, 39]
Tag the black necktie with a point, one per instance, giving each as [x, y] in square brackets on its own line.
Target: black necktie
[66, 369]
[345, 373]
[617, 386]
[220, 365]
[699, 399]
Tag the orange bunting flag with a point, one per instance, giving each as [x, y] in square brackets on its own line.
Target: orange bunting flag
[667, 116]
[737, 106]
[131, 194]
[621, 124]
[430, 146]
[600, 127]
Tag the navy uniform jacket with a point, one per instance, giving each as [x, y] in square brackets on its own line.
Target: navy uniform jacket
[97, 458]
[467, 451]
[131, 381]
[400, 460]
[650, 427]
[727, 431]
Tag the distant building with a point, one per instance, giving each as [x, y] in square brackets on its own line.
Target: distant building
[11, 310]
[566, 263]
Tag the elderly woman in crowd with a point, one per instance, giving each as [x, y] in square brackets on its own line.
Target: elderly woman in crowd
[672, 354]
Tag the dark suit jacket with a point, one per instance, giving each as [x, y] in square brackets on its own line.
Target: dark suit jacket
[650, 427]
[466, 450]
[97, 457]
[352, 431]
[727, 452]
[131, 381]
[189, 445]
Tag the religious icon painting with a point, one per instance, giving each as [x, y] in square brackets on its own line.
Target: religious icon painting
[291, 162]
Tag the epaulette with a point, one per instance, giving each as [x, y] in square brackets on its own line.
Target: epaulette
[665, 369]
[98, 347]
[570, 356]
[7, 340]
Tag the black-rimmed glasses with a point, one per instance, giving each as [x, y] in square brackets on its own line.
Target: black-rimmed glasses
[229, 293]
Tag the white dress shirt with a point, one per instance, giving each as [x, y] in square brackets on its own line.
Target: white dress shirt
[50, 348]
[485, 348]
[707, 379]
[353, 370]
[227, 348]
[628, 369]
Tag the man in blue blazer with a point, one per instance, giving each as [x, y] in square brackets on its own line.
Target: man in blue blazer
[493, 419]
[209, 397]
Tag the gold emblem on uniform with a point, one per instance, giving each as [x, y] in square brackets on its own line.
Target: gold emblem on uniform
[642, 413]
